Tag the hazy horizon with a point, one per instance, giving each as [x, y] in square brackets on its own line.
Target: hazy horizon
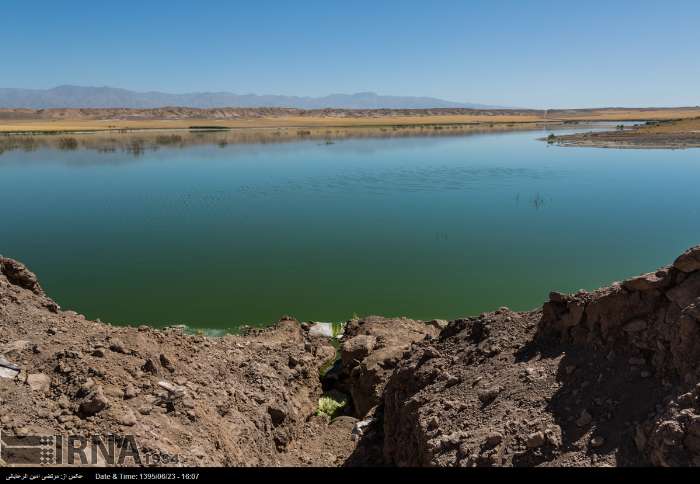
[72, 96]
[476, 103]
[542, 54]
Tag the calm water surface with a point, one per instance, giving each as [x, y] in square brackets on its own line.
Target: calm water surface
[423, 227]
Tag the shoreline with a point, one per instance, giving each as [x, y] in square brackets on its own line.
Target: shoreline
[223, 128]
[671, 134]
[137, 141]
[26, 121]
[139, 129]
[593, 378]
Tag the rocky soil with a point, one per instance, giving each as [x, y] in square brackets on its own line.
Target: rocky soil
[210, 401]
[603, 378]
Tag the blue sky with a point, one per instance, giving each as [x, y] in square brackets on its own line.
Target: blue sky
[516, 53]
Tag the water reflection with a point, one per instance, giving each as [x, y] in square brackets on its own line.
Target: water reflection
[136, 143]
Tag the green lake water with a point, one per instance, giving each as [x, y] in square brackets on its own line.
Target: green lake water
[424, 227]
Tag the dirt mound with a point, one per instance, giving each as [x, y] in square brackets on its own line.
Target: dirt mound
[210, 401]
[371, 349]
[602, 378]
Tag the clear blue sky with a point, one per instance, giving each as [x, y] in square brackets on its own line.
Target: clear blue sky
[517, 53]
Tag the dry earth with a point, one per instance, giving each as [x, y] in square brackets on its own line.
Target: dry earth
[224, 401]
[603, 378]
[66, 120]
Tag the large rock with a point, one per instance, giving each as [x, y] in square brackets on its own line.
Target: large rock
[686, 292]
[357, 348]
[646, 282]
[371, 349]
[94, 403]
[689, 261]
[18, 274]
[39, 382]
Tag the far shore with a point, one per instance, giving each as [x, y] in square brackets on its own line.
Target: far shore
[654, 134]
[137, 141]
[137, 130]
[28, 121]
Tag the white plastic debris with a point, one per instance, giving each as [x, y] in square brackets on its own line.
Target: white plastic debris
[7, 369]
[321, 329]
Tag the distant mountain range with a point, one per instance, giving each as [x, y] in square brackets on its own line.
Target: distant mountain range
[110, 97]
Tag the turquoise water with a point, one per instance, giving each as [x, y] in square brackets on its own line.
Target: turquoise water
[214, 237]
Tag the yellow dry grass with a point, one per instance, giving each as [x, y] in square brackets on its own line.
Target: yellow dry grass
[272, 122]
[631, 114]
[690, 125]
[485, 120]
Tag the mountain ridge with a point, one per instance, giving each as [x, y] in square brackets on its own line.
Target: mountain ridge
[73, 96]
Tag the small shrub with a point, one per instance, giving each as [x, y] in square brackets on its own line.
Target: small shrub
[338, 328]
[330, 405]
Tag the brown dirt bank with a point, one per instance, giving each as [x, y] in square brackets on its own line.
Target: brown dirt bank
[603, 378]
[236, 400]
[670, 134]
[66, 120]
